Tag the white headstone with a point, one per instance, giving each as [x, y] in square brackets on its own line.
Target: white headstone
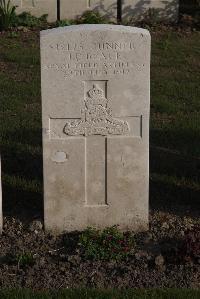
[131, 9]
[95, 103]
[73, 9]
[166, 10]
[37, 7]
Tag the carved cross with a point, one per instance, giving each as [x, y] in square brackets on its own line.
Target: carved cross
[96, 124]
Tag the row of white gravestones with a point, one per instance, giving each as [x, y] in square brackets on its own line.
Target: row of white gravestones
[131, 9]
[95, 103]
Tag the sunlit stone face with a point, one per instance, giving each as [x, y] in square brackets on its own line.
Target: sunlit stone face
[95, 98]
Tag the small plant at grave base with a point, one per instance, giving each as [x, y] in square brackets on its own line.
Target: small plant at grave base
[91, 17]
[189, 250]
[25, 259]
[65, 22]
[7, 15]
[109, 244]
[27, 20]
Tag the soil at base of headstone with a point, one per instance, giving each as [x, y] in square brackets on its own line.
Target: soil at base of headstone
[58, 262]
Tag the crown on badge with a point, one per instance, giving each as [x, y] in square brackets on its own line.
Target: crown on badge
[95, 92]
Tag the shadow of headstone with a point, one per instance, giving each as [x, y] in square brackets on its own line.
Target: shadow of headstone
[22, 175]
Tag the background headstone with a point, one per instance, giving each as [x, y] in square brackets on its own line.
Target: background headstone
[95, 103]
[73, 9]
[37, 8]
[154, 10]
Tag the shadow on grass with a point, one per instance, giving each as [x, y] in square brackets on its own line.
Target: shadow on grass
[23, 205]
[174, 185]
[22, 175]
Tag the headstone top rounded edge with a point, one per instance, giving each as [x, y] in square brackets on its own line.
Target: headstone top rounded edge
[95, 27]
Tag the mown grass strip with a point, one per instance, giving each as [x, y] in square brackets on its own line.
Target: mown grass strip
[101, 294]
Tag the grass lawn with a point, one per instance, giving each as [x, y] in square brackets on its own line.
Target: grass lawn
[174, 132]
[21, 125]
[175, 121]
[101, 294]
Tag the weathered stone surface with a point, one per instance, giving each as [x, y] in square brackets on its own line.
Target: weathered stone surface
[1, 214]
[131, 9]
[73, 9]
[154, 10]
[95, 103]
[37, 7]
